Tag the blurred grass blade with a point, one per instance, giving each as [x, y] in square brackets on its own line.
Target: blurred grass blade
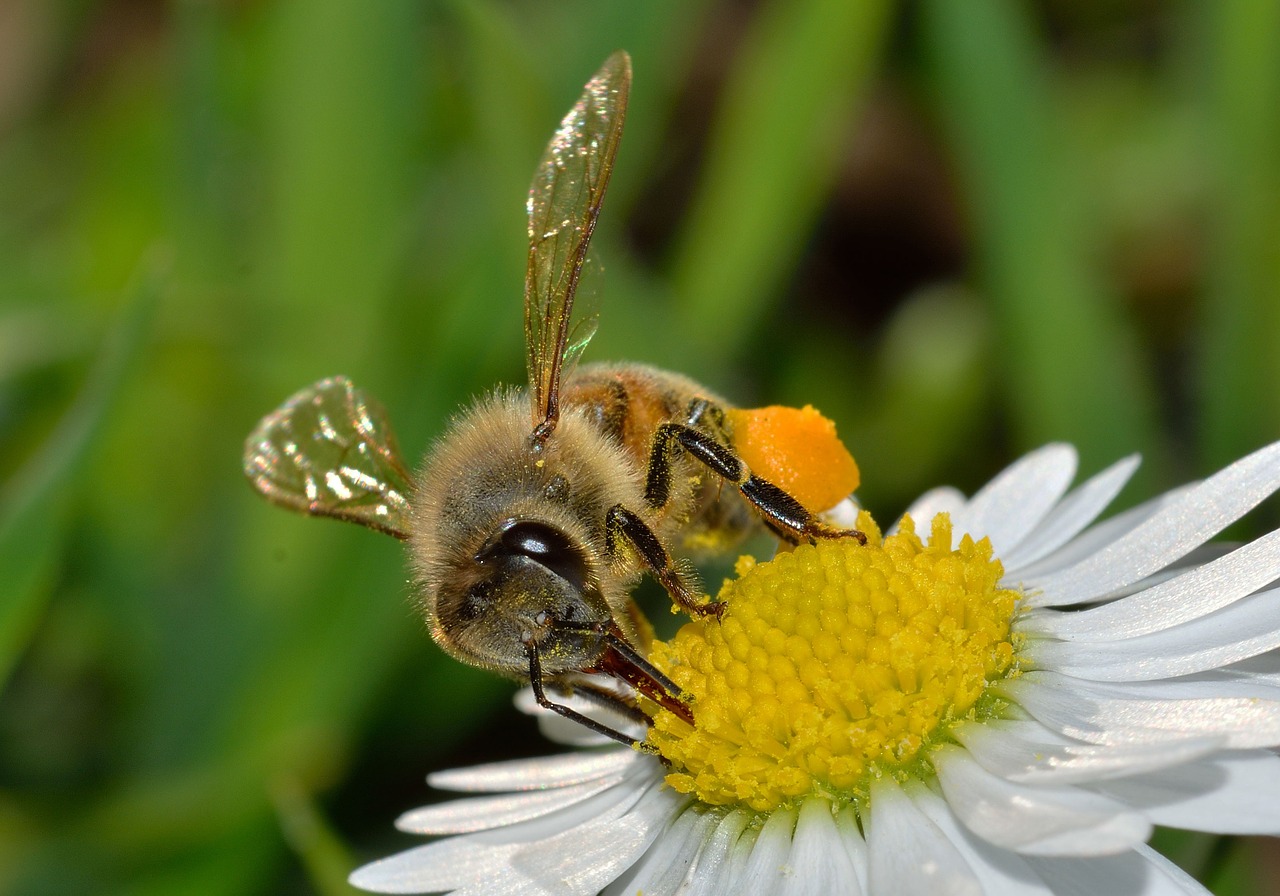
[35, 504]
[1241, 332]
[325, 858]
[773, 154]
[1071, 366]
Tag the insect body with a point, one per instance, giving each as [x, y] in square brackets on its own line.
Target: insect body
[538, 509]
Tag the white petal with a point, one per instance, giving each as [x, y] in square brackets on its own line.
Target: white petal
[1210, 685]
[843, 516]
[1143, 872]
[434, 868]
[1095, 538]
[583, 863]
[1171, 533]
[1008, 507]
[909, 855]
[855, 847]
[667, 862]
[1188, 596]
[819, 863]
[1260, 671]
[577, 862]
[568, 733]
[1077, 510]
[481, 813]
[1138, 713]
[1246, 628]
[1198, 557]
[1001, 871]
[1264, 667]
[538, 774]
[1173, 879]
[557, 729]
[1234, 793]
[735, 866]
[612, 803]
[767, 868]
[585, 859]
[714, 865]
[1020, 751]
[1038, 820]
[933, 502]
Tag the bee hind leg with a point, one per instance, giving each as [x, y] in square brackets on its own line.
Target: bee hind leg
[788, 518]
[782, 513]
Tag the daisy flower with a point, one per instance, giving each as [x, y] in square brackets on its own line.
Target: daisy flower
[999, 695]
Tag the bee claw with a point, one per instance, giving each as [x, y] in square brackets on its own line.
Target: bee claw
[855, 534]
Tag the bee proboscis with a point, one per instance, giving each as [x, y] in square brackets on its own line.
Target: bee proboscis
[537, 510]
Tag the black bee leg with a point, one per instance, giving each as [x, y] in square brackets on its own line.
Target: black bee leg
[613, 702]
[540, 694]
[622, 524]
[787, 517]
[781, 512]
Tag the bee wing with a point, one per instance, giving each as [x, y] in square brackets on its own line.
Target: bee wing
[329, 451]
[564, 202]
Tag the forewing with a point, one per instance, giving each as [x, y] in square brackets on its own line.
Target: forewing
[564, 202]
[329, 451]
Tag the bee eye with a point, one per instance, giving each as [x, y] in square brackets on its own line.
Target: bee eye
[543, 544]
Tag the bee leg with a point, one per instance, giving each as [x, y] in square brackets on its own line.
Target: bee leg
[540, 694]
[781, 512]
[621, 523]
[613, 702]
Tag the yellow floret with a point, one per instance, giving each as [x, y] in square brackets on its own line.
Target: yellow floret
[833, 662]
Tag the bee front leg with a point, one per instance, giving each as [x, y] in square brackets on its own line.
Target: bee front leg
[782, 513]
[613, 702]
[540, 695]
[622, 524]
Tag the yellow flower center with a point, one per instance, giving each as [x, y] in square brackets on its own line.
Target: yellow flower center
[832, 663]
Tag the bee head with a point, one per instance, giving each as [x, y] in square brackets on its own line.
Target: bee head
[536, 584]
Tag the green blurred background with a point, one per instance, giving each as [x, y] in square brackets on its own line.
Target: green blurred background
[961, 229]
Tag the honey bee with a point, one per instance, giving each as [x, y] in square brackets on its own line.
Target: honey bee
[538, 509]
